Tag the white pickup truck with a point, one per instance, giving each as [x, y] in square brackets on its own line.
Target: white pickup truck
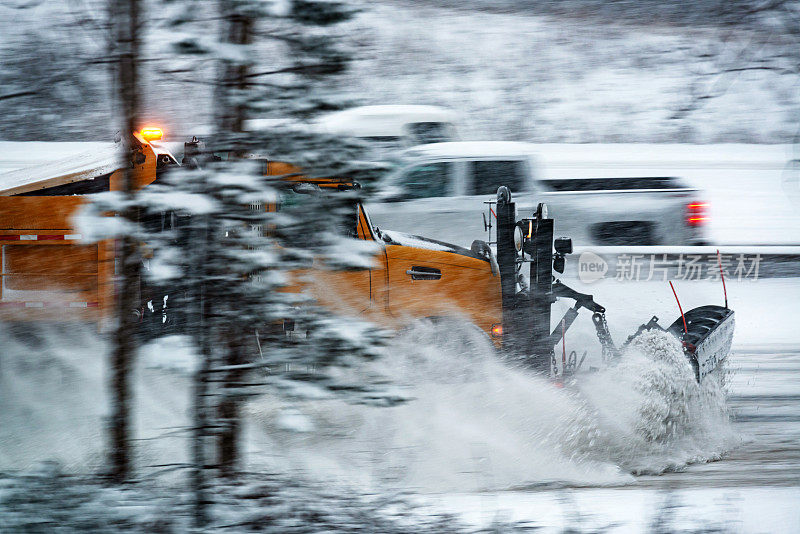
[439, 190]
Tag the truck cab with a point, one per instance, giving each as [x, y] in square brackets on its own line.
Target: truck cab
[414, 278]
[410, 278]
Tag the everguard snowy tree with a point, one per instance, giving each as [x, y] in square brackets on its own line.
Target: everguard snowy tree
[229, 265]
[233, 252]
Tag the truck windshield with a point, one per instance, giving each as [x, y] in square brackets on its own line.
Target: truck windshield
[308, 203]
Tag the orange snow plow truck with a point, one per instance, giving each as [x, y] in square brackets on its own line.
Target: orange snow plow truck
[50, 274]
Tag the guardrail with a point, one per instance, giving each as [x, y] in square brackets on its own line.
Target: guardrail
[691, 263]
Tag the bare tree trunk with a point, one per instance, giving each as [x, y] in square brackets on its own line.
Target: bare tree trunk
[200, 396]
[232, 116]
[127, 26]
[238, 31]
[229, 414]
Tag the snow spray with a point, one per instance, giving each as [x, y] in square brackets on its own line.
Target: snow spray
[476, 422]
[473, 421]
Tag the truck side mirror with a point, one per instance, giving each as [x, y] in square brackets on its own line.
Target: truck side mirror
[563, 246]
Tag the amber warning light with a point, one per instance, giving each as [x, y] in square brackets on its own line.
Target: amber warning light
[497, 330]
[152, 134]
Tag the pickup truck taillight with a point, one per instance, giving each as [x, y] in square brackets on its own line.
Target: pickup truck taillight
[697, 213]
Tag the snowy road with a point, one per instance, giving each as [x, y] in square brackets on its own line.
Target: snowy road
[480, 439]
[755, 488]
[765, 405]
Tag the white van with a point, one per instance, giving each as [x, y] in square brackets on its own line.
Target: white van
[394, 127]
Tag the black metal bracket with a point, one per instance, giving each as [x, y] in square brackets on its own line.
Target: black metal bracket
[582, 300]
[527, 314]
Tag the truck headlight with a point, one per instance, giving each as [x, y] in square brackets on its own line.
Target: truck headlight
[518, 238]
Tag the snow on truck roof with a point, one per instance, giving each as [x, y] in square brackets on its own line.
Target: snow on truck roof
[471, 149]
[383, 121]
[37, 165]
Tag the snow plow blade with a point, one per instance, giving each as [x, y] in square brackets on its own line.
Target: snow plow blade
[706, 332]
[707, 338]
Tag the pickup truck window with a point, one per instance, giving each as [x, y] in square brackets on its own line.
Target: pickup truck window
[425, 181]
[487, 176]
[613, 184]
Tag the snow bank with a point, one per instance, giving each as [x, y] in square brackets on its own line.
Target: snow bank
[54, 399]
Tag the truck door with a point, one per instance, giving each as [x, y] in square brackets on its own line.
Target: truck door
[432, 283]
[356, 292]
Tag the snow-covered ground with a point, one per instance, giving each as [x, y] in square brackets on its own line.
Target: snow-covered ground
[755, 488]
[476, 429]
[53, 398]
[528, 77]
[519, 75]
[762, 510]
[479, 439]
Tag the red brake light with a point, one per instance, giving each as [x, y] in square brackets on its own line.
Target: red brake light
[697, 213]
